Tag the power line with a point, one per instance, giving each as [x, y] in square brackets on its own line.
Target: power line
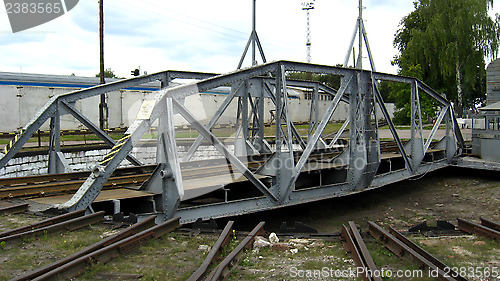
[158, 12]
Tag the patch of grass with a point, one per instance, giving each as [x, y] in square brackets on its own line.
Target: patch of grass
[31, 253]
[172, 257]
[314, 255]
[462, 251]
[385, 259]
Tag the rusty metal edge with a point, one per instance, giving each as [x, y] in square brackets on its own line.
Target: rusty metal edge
[361, 246]
[77, 266]
[69, 225]
[350, 247]
[21, 208]
[221, 242]
[390, 241]
[474, 228]
[489, 223]
[66, 186]
[425, 254]
[364, 250]
[217, 273]
[44, 223]
[134, 229]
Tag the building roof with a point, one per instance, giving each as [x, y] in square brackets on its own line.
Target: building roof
[64, 81]
[491, 107]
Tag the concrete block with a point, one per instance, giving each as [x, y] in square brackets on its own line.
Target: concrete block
[78, 167]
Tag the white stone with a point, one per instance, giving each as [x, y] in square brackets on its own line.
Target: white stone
[260, 242]
[204, 248]
[273, 238]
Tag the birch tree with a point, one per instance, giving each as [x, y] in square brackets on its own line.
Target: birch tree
[450, 40]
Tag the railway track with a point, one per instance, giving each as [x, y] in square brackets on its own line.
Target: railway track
[402, 250]
[68, 223]
[134, 177]
[103, 251]
[219, 262]
[403, 247]
[37, 186]
[487, 228]
[14, 209]
[355, 246]
[223, 270]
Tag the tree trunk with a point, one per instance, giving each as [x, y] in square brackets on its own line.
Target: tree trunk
[459, 106]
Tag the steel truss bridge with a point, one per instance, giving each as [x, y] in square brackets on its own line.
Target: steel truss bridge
[293, 169]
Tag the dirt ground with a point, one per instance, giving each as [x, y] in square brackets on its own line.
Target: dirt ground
[443, 195]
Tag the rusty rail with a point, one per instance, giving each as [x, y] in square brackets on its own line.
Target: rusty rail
[223, 270]
[490, 224]
[402, 250]
[58, 183]
[69, 225]
[21, 208]
[76, 267]
[66, 186]
[214, 253]
[426, 255]
[134, 229]
[354, 245]
[474, 228]
[41, 179]
[44, 223]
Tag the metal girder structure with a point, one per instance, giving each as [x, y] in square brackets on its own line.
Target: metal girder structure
[360, 32]
[253, 40]
[252, 205]
[63, 104]
[278, 178]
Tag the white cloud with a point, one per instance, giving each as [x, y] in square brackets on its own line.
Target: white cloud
[196, 35]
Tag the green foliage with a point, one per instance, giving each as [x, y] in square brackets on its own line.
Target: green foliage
[448, 40]
[108, 73]
[400, 94]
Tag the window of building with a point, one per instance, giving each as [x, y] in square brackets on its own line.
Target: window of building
[479, 123]
[491, 123]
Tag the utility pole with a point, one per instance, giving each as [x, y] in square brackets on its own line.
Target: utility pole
[103, 107]
[307, 6]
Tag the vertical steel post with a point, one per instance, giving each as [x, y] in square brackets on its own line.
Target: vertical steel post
[359, 64]
[314, 113]
[254, 32]
[253, 40]
[363, 144]
[57, 163]
[167, 156]
[54, 143]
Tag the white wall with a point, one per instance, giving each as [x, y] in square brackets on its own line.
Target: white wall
[20, 104]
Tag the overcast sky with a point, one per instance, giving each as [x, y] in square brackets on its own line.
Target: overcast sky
[196, 35]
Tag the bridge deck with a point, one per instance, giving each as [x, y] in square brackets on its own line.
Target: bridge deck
[197, 184]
